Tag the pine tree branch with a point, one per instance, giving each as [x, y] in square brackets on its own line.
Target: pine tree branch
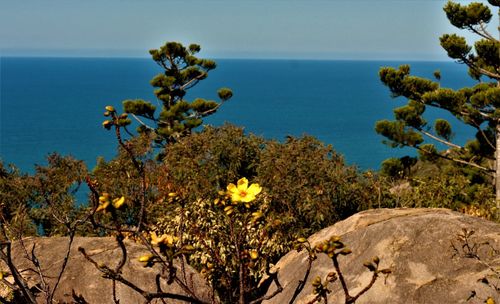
[141, 122]
[474, 66]
[191, 82]
[445, 142]
[460, 161]
[481, 32]
[481, 131]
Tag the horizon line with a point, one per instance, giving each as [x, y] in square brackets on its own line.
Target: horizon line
[263, 58]
[236, 55]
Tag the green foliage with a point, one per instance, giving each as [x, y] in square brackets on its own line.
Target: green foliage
[204, 163]
[120, 177]
[308, 183]
[43, 202]
[392, 167]
[428, 152]
[177, 116]
[455, 46]
[233, 242]
[307, 186]
[494, 2]
[398, 133]
[15, 193]
[437, 183]
[476, 106]
[465, 16]
[443, 128]
[53, 193]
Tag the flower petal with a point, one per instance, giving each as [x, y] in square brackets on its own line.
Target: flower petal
[118, 202]
[235, 197]
[103, 207]
[248, 198]
[243, 184]
[232, 188]
[254, 189]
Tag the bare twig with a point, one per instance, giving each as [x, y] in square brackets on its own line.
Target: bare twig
[111, 274]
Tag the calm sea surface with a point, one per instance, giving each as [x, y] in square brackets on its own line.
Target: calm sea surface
[56, 104]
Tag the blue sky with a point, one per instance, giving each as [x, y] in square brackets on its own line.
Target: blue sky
[314, 29]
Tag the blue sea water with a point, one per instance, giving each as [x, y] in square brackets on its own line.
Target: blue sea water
[56, 104]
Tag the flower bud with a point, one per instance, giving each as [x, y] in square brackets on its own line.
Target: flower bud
[110, 109]
[301, 240]
[254, 254]
[146, 258]
[345, 251]
[107, 124]
[316, 282]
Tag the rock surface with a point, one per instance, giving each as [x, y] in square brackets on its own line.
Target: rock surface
[415, 244]
[82, 277]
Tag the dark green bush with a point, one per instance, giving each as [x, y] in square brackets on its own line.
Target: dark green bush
[308, 184]
[42, 202]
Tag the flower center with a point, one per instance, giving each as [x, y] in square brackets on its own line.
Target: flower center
[243, 193]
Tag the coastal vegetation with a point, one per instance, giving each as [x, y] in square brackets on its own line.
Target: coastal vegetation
[229, 203]
[476, 106]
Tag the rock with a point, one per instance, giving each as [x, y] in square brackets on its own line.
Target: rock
[416, 245]
[82, 277]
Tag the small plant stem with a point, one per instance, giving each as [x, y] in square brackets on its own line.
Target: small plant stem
[348, 298]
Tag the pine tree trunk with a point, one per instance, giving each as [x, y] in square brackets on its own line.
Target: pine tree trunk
[497, 144]
[497, 170]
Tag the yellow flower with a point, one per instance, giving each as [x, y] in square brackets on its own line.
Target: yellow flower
[118, 202]
[242, 192]
[165, 239]
[103, 206]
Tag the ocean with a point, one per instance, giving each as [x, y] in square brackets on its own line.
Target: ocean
[56, 104]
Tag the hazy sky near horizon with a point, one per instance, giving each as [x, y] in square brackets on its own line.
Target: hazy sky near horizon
[314, 29]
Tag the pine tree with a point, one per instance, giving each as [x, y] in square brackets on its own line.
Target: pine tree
[477, 106]
[177, 116]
